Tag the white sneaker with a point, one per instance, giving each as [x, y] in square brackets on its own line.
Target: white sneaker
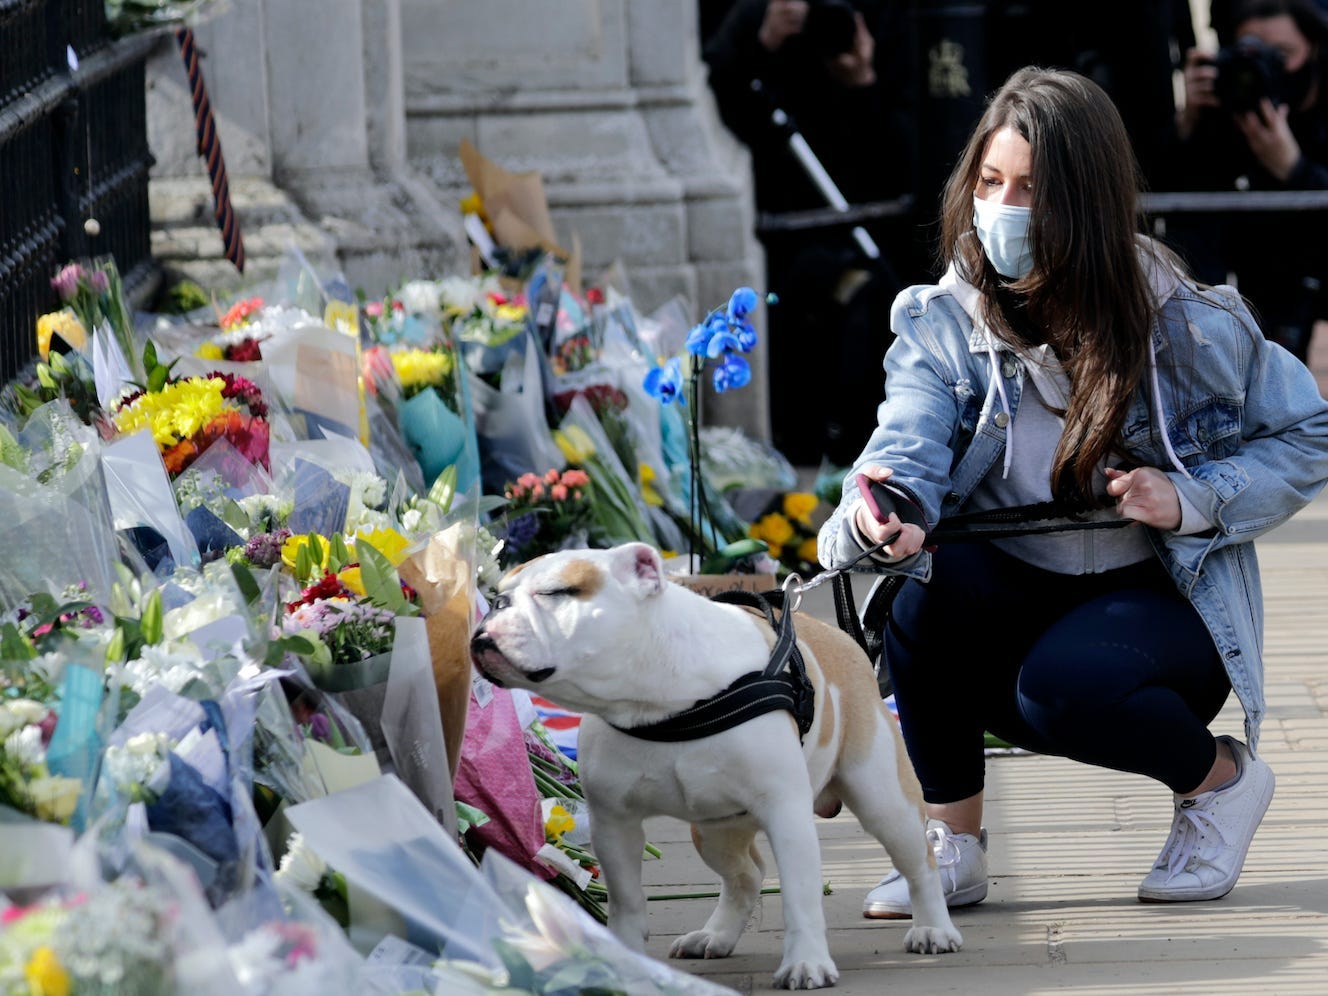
[961, 860]
[1210, 835]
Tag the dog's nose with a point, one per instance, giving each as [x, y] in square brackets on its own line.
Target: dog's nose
[482, 642]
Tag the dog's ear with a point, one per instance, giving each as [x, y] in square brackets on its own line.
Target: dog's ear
[639, 568]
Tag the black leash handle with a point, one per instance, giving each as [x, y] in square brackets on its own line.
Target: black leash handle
[990, 523]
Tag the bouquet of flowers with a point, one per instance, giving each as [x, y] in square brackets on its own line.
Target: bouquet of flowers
[241, 336]
[344, 617]
[93, 291]
[120, 938]
[186, 415]
[484, 316]
[545, 513]
[609, 404]
[430, 413]
[788, 528]
[26, 782]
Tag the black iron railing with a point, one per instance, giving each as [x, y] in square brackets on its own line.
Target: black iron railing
[73, 147]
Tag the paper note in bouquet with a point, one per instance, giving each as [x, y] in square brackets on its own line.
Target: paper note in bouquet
[316, 373]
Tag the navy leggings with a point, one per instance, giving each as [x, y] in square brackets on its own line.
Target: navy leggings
[1113, 669]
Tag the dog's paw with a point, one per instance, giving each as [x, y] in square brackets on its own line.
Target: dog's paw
[701, 944]
[933, 940]
[806, 975]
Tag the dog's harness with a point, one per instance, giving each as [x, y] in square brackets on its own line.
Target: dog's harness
[782, 685]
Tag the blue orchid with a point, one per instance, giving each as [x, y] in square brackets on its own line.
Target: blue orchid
[723, 342]
[733, 373]
[746, 335]
[741, 303]
[701, 335]
[665, 382]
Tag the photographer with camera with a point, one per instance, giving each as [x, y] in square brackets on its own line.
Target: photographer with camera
[1255, 118]
[841, 74]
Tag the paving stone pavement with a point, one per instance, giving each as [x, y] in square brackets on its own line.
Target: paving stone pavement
[1068, 846]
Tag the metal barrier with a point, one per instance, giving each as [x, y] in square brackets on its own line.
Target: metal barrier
[73, 146]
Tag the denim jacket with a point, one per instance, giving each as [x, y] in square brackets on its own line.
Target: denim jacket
[1243, 435]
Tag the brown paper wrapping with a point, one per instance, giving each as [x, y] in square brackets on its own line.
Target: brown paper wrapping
[518, 210]
[443, 575]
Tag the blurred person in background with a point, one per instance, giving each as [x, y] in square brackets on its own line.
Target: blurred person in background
[1255, 118]
[842, 73]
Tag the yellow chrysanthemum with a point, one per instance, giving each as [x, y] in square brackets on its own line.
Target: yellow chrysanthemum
[558, 823]
[774, 528]
[807, 550]
[63, 323]
[648, 491]
[390, 543]
[45, 975]
[175, 412]
[799, 505]
[419, 368]
[210, 351]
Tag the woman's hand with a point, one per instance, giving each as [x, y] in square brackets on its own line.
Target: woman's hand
[854, 68]
[1145, 495]
[1200, 90]
[910, 537]
[783, 19]
[1270, 138]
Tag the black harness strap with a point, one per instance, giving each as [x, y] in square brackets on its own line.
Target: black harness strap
[782, 685]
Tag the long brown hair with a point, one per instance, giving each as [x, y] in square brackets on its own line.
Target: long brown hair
[1087, 295]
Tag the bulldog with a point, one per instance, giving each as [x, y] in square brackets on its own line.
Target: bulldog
[605, 633]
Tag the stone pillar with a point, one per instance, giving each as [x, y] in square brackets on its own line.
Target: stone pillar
[607, 100]
[309, 104]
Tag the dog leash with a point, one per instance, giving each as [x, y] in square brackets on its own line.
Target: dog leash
[782, 685]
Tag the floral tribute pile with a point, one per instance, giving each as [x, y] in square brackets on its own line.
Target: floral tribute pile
[242, 748]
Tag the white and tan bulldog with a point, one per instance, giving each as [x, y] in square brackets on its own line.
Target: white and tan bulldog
[604, 632]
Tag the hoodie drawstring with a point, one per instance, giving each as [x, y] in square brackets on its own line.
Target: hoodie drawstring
[999, 381]
[1005, 401]
[1161, 416]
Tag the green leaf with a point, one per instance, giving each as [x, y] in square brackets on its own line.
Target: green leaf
[293, 643]
[156, 379]
[727, 557]
[150, 363]
[382, 585]
[247, 583]
[14, 646]
[44, 608]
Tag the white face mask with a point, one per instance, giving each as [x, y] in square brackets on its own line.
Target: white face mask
[1003, 231]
